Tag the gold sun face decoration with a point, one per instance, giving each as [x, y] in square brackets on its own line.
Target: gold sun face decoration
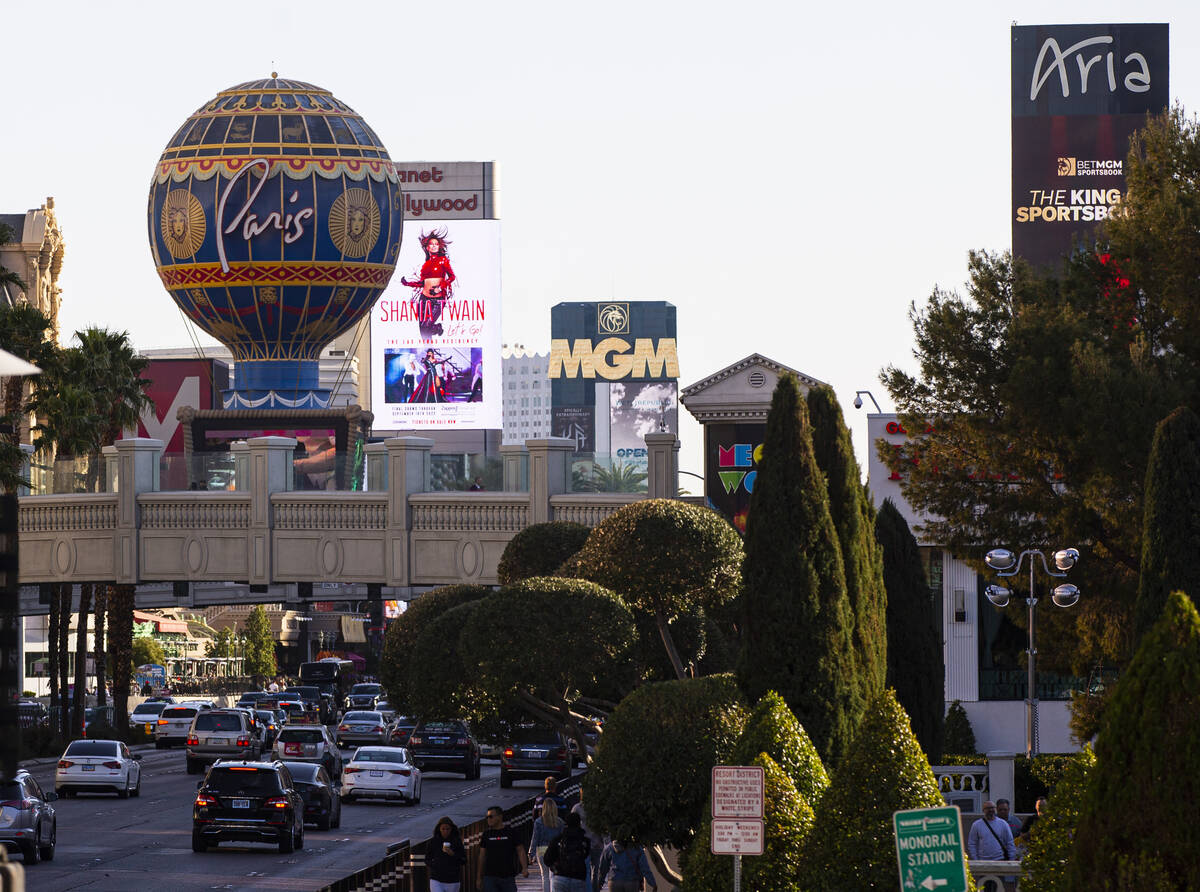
[354, 222]
[341, 296]
[199, 297]
[268, 295]
[182, 223]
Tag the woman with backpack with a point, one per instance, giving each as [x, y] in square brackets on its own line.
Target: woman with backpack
[625, 865]
[445, 857]
[547, 827]
[567, 857]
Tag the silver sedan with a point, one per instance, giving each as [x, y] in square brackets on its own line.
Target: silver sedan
[362, 726]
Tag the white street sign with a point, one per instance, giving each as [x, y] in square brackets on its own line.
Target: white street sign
[737, 791]
[737, 837]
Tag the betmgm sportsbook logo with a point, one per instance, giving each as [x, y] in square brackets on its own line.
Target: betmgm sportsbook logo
[1088, 167]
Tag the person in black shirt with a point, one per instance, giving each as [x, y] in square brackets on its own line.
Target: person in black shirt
[501, 855]
[445, 857]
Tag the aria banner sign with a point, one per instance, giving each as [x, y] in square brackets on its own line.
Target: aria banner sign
[1078, 94]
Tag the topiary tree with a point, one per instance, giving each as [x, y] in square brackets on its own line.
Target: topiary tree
[862, 560]
[665, 558]
[652, 773]
[958, 738]
[146, 650]
[773, 729]
[441, 680]
[1139, 810]
[788, 818]
[915, 668]
[260, 644]
[1044, 867]
[797, 623]
[540, 549]
[852, 845]
[1171, 524]
[402, 636]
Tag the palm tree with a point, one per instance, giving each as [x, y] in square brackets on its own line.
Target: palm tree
[25, 332]
[7, 276]
[620, 478]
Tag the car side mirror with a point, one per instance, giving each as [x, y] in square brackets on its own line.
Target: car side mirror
[137, 757]
[51, 797]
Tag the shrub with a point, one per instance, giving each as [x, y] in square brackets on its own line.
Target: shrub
[788, 818]
[540, 549]
[958, 738]
[1044, 868]
[652, 773]
[852, 845]
[774, 730]
[1140, 803]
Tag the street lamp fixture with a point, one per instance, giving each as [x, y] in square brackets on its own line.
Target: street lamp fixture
[1005, 563]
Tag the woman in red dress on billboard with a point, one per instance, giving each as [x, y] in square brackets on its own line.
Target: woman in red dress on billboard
[431, 388]
[434, 286]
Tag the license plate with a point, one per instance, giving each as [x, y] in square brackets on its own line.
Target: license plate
[359, 728]
[240, 803]
[292, 749]
[376, 774]
[440, 741]
[89, 767]
[536, 754]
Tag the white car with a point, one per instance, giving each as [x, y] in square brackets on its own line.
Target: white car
[96, 766]
[381, 772]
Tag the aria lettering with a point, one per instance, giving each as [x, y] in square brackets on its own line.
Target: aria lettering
[1137, 80]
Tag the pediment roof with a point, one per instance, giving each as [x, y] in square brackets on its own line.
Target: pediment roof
[741, 391]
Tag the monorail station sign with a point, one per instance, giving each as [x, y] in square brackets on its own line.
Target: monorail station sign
[929, 847]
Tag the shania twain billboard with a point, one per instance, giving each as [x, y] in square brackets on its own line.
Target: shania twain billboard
[435, 334]
[1078, 94]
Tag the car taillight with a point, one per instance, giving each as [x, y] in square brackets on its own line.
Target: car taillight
[19, 804]
[203, 800]
[277, 802]
[349, 770]
[414, 740]
[561, 752]
[462, 741]
[403, 772]
[112, 764]
[243, 741]
[162, 721]
[193, 741]
[379, 729]
[343, 727]
[64, 763]
[508, 752]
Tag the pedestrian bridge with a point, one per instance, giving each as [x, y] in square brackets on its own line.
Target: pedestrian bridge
[264, 542]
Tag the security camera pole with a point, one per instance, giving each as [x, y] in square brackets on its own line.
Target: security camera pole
[1005, 563]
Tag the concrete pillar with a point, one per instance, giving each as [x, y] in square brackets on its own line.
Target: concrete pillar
[1002, 778]
[137, 472]
[377, 467]
[409, 461]
[112, 465]
[270, 471]
[515, 460]
[662, 479]
[549, 474]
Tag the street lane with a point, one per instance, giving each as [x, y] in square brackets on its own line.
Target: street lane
[105, 843]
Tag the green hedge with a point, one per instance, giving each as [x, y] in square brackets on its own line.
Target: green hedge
[540, 549]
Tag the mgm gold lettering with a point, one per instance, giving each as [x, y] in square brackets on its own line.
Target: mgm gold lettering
[612, 359]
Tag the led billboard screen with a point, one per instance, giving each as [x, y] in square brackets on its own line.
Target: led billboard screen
[1078, 93]
[435, 334]
[731, 456]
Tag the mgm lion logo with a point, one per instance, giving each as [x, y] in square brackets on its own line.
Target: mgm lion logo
[1066, 167]
[612, 318]
[182, 223]
[354, 222]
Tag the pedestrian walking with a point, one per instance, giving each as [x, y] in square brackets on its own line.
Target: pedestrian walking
[547, 827]
[595, 840]
[445, 857]
[550, 790]
[624, 865]
[568, 858]
[990, 839]
[501, 856]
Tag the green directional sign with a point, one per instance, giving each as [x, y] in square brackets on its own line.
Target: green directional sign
[929, 847]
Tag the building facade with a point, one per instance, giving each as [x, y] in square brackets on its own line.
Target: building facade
[526, 394]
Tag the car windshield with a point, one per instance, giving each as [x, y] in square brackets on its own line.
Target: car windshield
[300, 735]
[11, 790]
[265, 715]
[443, 728]
[535, 735]
[392, 755]
[149, 708]
[365, 689]
[305, 693]
[180, 712]
[218, 722]
[362, 717]
[302, 772]
[93, 748]
[243, 781]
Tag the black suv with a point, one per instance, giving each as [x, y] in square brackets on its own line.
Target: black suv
[445, 746]
[315, 701]
[248, 802]
[535, 752]
[364, 696]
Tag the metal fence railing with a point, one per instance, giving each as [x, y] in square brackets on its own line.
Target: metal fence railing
[402, 868]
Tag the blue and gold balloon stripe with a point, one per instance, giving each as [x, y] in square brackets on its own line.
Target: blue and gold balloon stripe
[294, 166]
[296, 133]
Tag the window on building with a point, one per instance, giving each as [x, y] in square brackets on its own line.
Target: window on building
[1003, 671]
[537, 384]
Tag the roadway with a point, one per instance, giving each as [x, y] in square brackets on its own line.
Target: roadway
[105, 843]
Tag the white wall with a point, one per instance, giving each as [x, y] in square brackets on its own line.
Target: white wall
[1000, 725]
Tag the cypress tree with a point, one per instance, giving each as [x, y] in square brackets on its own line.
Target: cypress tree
[774, 730]
[852, 844]
[796, 619]
[915, 671]
[1139, 813]
[1171, 526]
[854, 519]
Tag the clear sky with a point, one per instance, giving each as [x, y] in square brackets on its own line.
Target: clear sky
[792, 176]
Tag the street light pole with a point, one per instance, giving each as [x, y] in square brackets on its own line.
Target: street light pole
[1005, 563]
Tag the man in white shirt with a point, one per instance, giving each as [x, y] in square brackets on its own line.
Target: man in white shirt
[990, 838]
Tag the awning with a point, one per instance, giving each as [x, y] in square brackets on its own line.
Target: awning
[352, 630]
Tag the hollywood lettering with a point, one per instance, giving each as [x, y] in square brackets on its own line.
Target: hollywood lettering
[737, 457]
[1136, 80]
[613, 359]
[415, 207]
[428, 311]
[290, 224]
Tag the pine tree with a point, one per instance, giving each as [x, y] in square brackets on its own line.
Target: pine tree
[1139, 813]
[852, 845]
[1171, 528]
[854, 518]
[796, 618]
[788, 818]
[1044, 868]
[915, 670]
